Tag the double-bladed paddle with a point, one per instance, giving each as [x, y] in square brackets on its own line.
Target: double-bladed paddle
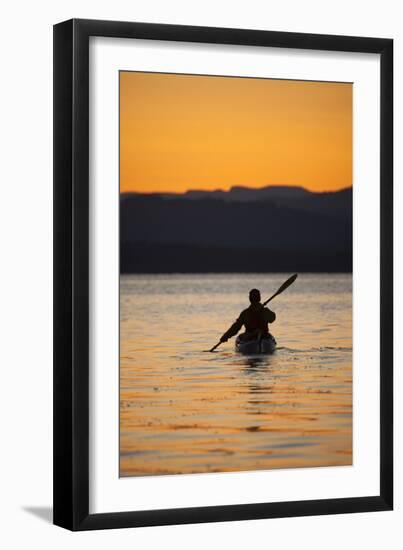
[285, 285]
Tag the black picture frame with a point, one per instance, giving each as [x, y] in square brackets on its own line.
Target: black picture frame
[71, 274]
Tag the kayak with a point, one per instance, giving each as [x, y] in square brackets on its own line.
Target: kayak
[252, 347]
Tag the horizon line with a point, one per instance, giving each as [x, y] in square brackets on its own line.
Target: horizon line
[233, 187]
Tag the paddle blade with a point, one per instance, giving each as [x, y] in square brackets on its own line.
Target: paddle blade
[285, 285]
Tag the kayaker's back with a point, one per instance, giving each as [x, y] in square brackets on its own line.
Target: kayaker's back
[257, 317]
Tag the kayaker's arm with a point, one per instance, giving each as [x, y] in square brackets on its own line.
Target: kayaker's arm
[234, 329]
[269, 315]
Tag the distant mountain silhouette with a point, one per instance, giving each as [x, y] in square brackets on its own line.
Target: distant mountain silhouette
[245, 194]
[275, 228]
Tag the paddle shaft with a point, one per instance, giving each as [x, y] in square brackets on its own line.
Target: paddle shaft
[215, 347]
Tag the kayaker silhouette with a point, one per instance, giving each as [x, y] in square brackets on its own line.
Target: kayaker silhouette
[255, 319]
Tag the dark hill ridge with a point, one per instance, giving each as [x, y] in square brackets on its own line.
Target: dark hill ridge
[270, 229]
[239, 193]
[246, 194]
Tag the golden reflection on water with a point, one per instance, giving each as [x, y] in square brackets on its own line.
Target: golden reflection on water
[185, 411]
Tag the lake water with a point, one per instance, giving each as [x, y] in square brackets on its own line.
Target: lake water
[185, 411]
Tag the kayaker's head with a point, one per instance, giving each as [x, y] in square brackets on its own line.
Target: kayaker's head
[254, 296]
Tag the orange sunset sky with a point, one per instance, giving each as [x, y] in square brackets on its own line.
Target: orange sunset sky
[181, 132]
